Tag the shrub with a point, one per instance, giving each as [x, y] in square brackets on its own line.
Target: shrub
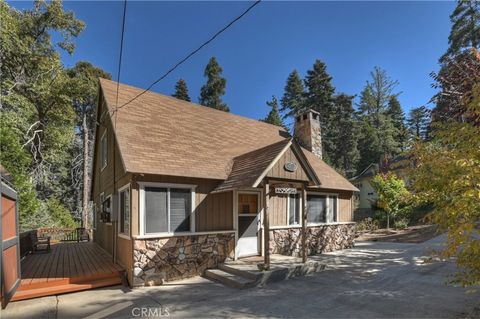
[401, 223]
[367, 224]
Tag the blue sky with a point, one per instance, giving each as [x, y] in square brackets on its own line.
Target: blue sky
[257, 54]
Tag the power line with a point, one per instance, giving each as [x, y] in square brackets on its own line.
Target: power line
[188, 56]
[121, 50]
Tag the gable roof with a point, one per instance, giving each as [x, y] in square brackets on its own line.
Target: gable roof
[158, 134]
[370, 170]
[248, 170]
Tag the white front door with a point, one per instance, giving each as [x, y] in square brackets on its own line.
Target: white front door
[248, 225]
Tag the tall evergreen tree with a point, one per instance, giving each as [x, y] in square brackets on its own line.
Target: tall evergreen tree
[211, 93]
[378, 133]
[273, 116]
[293, 100]
[456, 82]
[320, 91]
[181, 91]
[84, 93]
[346, 155]
[319, 97]
[419, 122]
[465, 32]
[395, 112]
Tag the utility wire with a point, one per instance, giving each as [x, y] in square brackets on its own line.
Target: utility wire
[121, 50]
[188, 56]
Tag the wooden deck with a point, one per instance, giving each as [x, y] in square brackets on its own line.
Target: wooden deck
[68, 267]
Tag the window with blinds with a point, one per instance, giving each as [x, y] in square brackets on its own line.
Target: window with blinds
[167, 210]
[321, 209]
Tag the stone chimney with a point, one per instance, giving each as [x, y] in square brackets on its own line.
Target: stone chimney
[308, 133]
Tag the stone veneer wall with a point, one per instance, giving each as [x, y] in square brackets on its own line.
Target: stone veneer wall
[320, 239]
[166, 259]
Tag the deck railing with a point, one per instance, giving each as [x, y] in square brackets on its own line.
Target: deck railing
[64, 234]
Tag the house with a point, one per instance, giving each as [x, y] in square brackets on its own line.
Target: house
[366, 198]
[179, 188]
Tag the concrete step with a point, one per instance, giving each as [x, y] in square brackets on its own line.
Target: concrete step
[239, 272]
[229, 279]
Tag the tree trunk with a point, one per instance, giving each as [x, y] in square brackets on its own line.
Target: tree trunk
[85, 173]
[388, 221]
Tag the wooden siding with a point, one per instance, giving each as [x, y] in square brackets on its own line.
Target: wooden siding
[212, 211]
[278, 210]
[345, 213]
[217, 213]
[278, 170]
[103, 181]
[125, 256]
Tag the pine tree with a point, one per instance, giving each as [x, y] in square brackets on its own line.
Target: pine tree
[273, 116]
[293, 100]
[395, 112]
[377, 140]
[319, 90]
[346, 153]
[456, 82]
[84, 93]
[211, 93]
[181, 91]
[419, 122]
[465, 32]
[319, 97]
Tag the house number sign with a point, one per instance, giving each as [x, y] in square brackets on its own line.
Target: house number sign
[290, 167]
[285, 190]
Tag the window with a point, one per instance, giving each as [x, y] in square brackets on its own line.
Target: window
[247, 204]
[124, 210]
[321, 209]
[167, 209]
[94, 216]
[103, 150]
[294, 209]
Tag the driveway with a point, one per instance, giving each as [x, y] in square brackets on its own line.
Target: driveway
[372, 280]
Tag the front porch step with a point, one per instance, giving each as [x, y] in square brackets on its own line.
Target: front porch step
[229, 279]
[245, 274]
[240, 272]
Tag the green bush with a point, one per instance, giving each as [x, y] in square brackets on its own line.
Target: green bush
[401, 223]
[368, 224]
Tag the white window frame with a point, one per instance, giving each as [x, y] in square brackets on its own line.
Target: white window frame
[142, 186]
[327, 196]
[288, 211]
[104, 135]
[122, 189]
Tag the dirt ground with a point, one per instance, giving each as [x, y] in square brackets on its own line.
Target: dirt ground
[412, 234]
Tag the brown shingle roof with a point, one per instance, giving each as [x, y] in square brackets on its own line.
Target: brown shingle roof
[162, 135]
[248, 167]
[329, 178]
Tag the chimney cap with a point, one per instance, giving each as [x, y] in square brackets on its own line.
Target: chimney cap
[305, 115]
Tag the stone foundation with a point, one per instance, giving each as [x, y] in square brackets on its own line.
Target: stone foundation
[320, 239]
[173, 258]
